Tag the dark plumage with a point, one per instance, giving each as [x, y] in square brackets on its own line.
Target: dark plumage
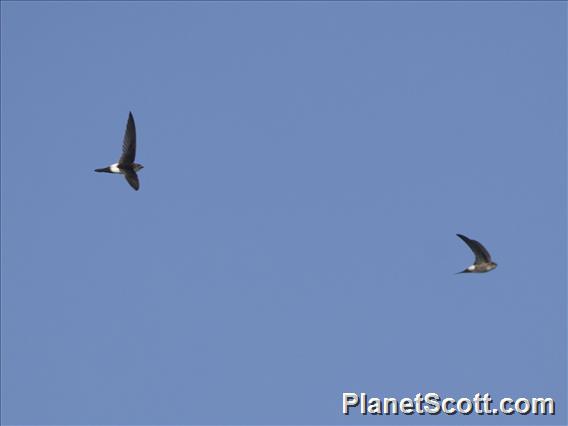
[483, 262]
[126, 165]
[128, 142]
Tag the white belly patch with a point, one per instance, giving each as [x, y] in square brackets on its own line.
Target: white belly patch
[114, 169]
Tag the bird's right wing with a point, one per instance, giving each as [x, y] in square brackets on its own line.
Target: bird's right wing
[481, 253]
[132, 179]
[129, 142]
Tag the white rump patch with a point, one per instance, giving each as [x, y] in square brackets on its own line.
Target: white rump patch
[114, 168]
[471, 268]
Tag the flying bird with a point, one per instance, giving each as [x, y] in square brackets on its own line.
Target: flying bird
[126, 165]
[483, 262]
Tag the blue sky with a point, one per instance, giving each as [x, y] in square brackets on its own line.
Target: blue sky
[307, 166]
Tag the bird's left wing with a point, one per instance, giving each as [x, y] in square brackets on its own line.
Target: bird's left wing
[481, 253]
[129, 142]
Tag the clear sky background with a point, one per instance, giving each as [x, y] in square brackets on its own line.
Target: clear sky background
[307, 166]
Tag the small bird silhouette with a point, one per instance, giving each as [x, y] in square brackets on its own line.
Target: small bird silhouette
[126, 165]
[483, 262]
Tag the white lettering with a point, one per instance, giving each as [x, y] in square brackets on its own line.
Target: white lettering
[432, 399]
[406, 406]
[503, 406]
[445, 403]
[465, 401]
[350, 399]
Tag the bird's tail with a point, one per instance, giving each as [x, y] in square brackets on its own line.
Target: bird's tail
[104, 169]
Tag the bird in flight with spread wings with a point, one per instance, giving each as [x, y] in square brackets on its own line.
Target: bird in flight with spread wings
[483, 262]
[126, 165]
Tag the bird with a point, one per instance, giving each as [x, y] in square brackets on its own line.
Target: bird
[126, 165]
[483, 262]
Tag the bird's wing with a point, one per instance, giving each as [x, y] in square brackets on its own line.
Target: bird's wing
[132, 179]
[481, 253]
[129, 142]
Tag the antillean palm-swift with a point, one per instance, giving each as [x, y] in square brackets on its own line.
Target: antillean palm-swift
[126, 165]
[483, 262]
